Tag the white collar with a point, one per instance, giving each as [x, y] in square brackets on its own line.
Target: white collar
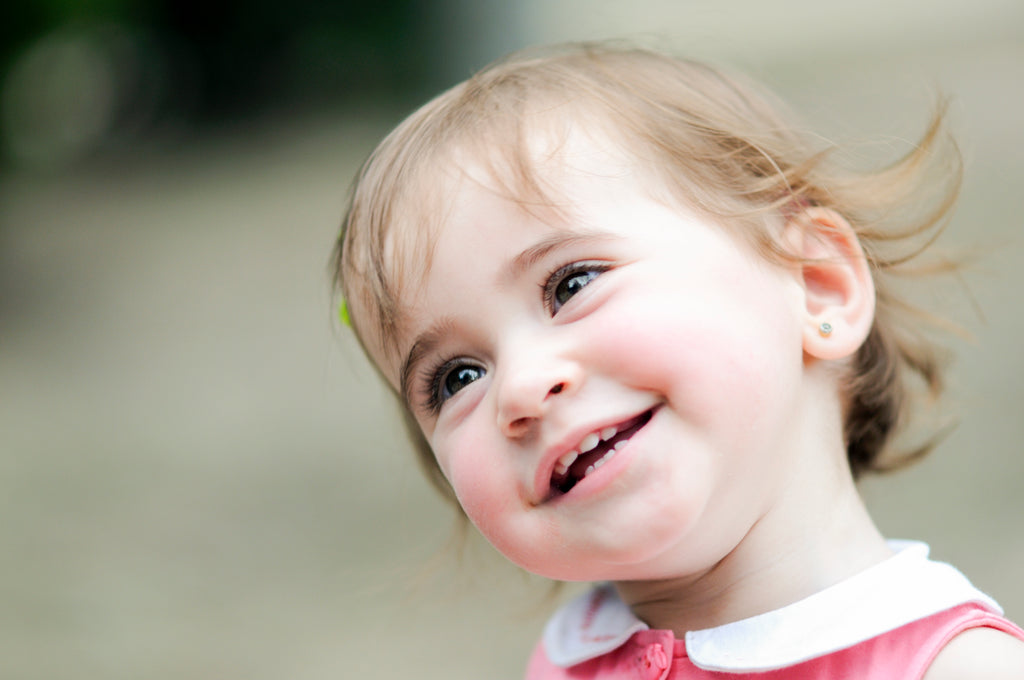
[902, 589]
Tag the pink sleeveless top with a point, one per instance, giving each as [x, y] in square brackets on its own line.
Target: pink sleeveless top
[887, 622]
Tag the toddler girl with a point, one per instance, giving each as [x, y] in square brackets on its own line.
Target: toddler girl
[639, 326]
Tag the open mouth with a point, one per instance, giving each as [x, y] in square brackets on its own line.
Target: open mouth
[596, 449]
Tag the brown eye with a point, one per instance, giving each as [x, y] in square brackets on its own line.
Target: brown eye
[457, 378]
[447, 379]
[571, 282]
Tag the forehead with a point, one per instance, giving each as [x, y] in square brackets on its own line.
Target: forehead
[544, 181]
[475, 201]
[546, 164]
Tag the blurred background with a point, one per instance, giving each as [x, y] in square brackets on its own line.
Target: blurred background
[199, 476]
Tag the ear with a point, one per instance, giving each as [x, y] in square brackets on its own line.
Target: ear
[837, 284]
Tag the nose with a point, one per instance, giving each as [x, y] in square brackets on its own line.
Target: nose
[528, 387]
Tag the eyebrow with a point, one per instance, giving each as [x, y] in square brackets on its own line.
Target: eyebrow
[427, 341]
[529, 257]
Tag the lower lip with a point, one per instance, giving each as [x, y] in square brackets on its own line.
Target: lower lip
[599, 479]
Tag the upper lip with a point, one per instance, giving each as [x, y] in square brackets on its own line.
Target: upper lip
[571, 442]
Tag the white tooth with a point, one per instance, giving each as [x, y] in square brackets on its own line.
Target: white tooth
[590, 468]
[620, 444]
[589, 442]
[608, 432]
[568, 459]
[560, 469]
[599, 462]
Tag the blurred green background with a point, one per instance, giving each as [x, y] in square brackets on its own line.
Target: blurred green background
[199, 477]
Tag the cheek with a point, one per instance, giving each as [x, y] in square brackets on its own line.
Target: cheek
[481, 473]
[711, 360]
[482, 484]
[497, 513]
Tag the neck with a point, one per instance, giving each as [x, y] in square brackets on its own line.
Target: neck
[829, 538]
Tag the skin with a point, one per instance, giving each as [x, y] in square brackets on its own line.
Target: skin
[979, 653]
[532, 331]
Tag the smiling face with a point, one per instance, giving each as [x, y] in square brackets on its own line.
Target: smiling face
[613, 396]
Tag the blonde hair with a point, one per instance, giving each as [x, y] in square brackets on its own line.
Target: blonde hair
[721, 145]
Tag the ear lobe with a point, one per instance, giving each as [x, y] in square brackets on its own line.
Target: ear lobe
[839, 293]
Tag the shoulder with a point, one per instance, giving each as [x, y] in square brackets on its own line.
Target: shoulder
[979, 653]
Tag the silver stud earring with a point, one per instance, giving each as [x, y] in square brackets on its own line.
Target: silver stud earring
[825, 329]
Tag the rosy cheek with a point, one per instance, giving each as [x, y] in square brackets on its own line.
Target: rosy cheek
[474, 491]
[480, 484]
[643, 361]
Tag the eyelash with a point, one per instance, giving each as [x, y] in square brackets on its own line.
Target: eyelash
[563, 273]
[437, 373]
[435, 376]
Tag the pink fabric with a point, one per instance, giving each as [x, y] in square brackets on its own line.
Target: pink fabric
[902, 653]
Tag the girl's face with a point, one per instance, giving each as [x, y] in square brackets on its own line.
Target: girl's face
[613, 398]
